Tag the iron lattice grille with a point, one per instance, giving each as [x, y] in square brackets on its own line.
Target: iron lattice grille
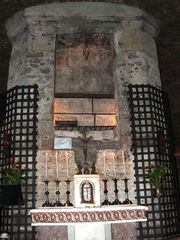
[18, 108]
[152, 144]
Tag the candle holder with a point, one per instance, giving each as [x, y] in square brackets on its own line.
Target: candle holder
[126, 190]
[106, 202]
[68, 203]
[57, 203]
[116, 201]
[46, 203]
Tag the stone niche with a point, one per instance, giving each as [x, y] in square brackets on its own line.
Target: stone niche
[87, 50]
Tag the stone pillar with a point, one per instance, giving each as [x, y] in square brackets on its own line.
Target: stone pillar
[16, 29]
[32, 62]
[135, 63]
[40, 62]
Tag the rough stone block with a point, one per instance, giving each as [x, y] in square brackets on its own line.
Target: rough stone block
[124, 231]
[65, 117]
[85, 120]
[46, 143]
[104, 106]
[102, 135]
[52, 232]
[136, 40]
[72, 105]
[105, 120]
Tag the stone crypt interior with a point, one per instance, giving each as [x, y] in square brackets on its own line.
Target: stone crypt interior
[89, 105]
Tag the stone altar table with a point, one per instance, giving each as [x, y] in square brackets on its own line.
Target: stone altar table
[106, 214]
[89, 222]
[83, 221]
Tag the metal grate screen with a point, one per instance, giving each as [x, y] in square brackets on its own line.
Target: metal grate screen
[18, 130]
[152, 144]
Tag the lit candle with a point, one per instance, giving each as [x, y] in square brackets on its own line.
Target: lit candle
[57, 166]
[104, 159]
[114, 165]
[67, 165]
[123, 159]
[46, 166]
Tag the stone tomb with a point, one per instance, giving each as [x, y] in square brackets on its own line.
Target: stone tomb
[122, 45]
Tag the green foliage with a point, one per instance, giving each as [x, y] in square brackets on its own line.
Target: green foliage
[157, 175]
[12, 175]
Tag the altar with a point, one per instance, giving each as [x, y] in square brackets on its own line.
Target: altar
[87, 204]
[88, 223]
[106, 214]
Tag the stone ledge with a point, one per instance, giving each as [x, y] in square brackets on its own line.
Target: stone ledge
[77, 12]
[104, 11]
